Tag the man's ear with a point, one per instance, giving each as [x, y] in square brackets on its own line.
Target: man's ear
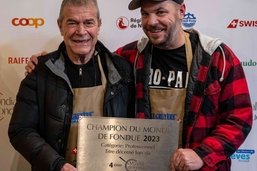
[60, 26]
[99, 25]
[182, 10]
[100, 22]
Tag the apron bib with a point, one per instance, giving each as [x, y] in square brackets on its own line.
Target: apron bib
[87, 101]
[169, 103]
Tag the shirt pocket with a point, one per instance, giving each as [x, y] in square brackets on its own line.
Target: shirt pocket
[211, 98]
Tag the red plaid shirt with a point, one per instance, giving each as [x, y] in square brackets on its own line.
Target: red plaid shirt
[218, 113]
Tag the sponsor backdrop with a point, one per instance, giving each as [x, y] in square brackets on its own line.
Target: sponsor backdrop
[29, 26]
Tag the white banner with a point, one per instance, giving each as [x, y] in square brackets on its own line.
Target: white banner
[30, 26]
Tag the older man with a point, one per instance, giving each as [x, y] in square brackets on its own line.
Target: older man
[81, 78]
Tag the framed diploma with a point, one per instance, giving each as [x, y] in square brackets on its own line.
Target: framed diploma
[121, 144]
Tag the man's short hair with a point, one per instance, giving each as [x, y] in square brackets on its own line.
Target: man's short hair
[77, 3]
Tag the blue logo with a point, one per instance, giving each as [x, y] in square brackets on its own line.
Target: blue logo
[189, 20]
[75, 117]
[242, 155]
[164, 116]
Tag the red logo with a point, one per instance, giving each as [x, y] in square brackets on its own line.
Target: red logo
[242, 23]
[233, 23]
[122, 23]
[18, 60]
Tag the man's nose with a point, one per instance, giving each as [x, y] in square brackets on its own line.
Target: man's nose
[81, 28]
[152, 19]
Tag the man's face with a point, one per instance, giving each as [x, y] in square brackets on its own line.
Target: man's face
[79, 28]
[161, 21]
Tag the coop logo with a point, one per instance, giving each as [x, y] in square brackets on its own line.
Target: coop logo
[122, 23]
[250, 63]
[17, 60]
[243, 155]
[6, 106]
[189, 20]
[235, 23]
[32, 22]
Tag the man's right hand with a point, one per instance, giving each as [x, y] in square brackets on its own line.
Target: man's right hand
[33, 62]
[68, 167]
[185, 159]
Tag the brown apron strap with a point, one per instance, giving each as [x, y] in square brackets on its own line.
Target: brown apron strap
[171, 101]
[86, 100]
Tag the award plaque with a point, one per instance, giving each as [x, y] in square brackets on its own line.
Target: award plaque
[122, 144]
